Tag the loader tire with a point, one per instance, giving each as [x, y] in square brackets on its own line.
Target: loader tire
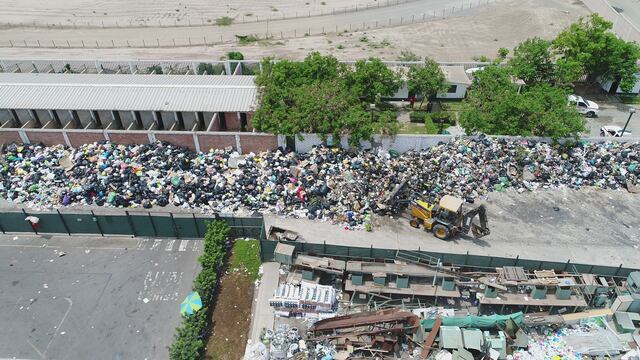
[441, 232]
[414, 223]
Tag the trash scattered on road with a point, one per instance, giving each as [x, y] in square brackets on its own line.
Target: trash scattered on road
[326, 183]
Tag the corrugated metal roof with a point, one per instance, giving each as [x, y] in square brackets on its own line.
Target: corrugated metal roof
[456, 74]
[127, 92]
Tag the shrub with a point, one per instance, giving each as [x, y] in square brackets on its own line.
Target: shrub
[155, 69]
[190, 336]
[210, 69]
[224, 21]
[235, 55]
[247, 39]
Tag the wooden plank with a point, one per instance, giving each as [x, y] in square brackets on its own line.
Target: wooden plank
[426, 349]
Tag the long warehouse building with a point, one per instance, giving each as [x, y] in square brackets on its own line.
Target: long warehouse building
[127, 101]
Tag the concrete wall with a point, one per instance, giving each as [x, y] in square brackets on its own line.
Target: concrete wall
[242, 142]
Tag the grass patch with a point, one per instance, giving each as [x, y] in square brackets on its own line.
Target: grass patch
[224, 21]
[246, 256]
[630, 99]
[452, 105]
[412, 128]
[340, 47]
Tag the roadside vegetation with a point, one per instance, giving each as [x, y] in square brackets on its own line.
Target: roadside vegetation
[190, 337]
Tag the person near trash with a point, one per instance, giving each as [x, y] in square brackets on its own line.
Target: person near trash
[34, 221]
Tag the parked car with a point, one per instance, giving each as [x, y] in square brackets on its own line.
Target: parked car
[585, 107]
[613, 131]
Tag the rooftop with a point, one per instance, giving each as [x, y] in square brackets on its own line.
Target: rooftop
[141, 92]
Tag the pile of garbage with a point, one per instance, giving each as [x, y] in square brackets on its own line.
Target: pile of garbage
[326, 183]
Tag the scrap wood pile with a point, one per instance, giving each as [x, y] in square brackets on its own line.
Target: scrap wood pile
[326, 183]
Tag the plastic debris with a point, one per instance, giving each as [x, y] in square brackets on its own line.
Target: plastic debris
[331, 184]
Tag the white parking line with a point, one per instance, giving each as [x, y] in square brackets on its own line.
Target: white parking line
[169, 246]
[183, 245]
[196, 245]
[155, 245]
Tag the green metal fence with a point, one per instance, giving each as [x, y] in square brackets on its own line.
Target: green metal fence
[147, 224]
[467, 260]
[191, 225]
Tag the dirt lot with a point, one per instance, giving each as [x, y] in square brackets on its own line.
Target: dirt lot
[465, 35]
[140, 11]
[231, 317]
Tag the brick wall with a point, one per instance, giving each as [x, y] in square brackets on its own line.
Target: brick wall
[9, 137]
[208, 142]
[79, 138]
[129, 138]
[46, 138]
[258, 143]
[185, 140]
[232, 120]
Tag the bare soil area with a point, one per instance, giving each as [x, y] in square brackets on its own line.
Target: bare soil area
[140, 12]
[231, 317]
[465, 35]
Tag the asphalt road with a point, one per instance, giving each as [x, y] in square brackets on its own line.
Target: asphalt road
[629, 8]
[106, 298]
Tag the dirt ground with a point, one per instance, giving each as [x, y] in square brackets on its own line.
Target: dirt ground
[140, 11]
[231, 318]
[471, 33]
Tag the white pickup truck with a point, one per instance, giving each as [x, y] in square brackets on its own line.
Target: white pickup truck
[585, 107]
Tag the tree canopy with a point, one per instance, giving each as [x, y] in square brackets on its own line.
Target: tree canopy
[426, 80]
[494, 105]
[598, 51]
[321, 95]
[372, 80]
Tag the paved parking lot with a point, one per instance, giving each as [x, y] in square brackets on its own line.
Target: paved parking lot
[612, 111]
[105, 298]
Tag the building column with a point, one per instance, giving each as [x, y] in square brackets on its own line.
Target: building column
[200, 119]
[96, 118]
[243, 121]
[16, 119]
[157, 118]
[138, 119]
[116, 119]
[36, 118]
[75, 119]
[179, 120]
[56, 118]
[223, 121]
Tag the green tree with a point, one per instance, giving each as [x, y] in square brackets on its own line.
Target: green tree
[317, 95]
[532, 61]
[373, 79]
[590, 43]
[495, 106]
[426, 80]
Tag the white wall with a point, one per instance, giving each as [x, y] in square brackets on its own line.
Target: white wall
[461, 92]
[606, 85]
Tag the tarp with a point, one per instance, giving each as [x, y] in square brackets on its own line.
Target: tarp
[478, 322]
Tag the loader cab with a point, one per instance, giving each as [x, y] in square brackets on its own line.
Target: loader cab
[450, 209]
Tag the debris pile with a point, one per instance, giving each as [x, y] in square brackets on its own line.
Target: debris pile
[326, 183]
